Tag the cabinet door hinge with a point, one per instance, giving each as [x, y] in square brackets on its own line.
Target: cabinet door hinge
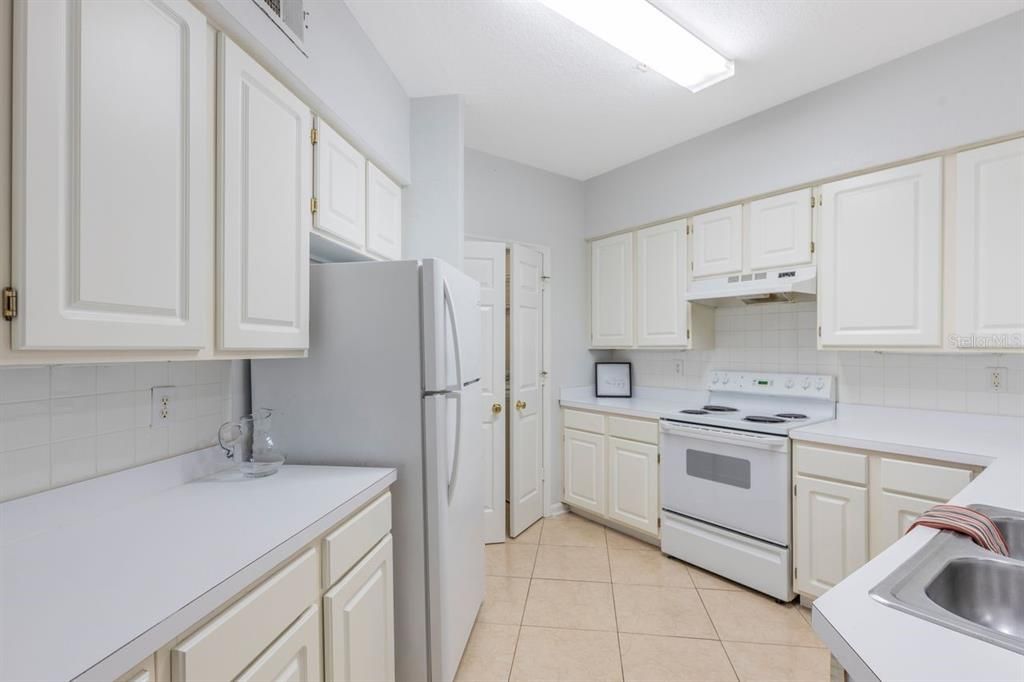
[314, 205]
[813, 201]
[794, 490]
[796, 573]
[687, 334]
[10, 303]
[659, 522]
[819, 330]
[314, 136]
[812, 246]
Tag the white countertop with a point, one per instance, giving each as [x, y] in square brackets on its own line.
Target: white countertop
[873, 641]
[97, 575]
[652, 403]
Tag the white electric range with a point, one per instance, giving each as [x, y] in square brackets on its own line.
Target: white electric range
[726, 475]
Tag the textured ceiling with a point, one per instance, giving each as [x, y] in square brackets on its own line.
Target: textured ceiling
[541, 91]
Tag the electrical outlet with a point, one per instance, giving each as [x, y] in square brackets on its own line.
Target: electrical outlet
[163, 405]
[679, 368]
[997, 379]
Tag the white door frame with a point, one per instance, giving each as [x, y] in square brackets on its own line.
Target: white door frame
[552, 505]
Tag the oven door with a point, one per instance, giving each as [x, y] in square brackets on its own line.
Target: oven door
[734, 479]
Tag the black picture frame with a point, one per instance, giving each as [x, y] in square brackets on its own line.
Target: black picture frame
[597, 380]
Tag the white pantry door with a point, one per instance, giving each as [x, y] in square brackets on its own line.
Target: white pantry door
[525, 486]
[112, 233]
[266, 167]
[485, 262]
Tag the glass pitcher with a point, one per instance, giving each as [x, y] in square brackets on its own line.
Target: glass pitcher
[249, 442]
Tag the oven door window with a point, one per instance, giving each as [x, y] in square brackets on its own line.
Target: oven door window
[723, 469]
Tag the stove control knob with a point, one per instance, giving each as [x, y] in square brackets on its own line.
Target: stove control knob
[789, 383]
[807, 383]
[725, 379]
[714, 378]
[821, 383]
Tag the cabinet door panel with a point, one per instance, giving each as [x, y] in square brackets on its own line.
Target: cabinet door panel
[359, 628]
[611, 292]
[112, 239]
[263, 231]
[718, 242]
[340, 188]
[584, 470]
[831, 533]
[891, 517]
[294, 657]
[633, 484]
[880, 264]
[661, 310]
[989, 238]
[780, 230]
[383, 214]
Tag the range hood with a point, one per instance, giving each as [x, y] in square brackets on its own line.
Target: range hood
[788, 285]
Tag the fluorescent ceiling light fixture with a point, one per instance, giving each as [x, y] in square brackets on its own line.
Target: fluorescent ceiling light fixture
[648, 35]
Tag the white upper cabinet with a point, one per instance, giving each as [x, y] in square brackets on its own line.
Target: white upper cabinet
[611, 291]
[988, 248]
[265, 167]
[718, 242]
[383, 214]
[661, 307]
[112, 233]
[880, 261]
[340, 176]
[779, 230]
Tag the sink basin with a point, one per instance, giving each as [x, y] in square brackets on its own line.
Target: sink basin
[956, 584]
[987, 592]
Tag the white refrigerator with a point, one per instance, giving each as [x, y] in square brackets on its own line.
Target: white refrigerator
[392, 379]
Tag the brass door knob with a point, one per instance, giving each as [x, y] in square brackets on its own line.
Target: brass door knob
[520, 405]
[496, 408]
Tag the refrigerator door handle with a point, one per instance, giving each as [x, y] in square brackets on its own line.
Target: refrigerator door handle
[453, 475]
[450, 306]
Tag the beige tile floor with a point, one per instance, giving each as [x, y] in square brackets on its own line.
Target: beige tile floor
[571, 600]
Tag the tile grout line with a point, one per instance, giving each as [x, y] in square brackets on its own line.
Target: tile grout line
[615, 610]
[714, 627]
[522, 616]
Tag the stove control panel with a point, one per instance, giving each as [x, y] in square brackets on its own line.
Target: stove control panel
[772, 383]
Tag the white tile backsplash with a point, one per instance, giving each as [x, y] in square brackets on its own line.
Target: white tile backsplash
[66, 423]
[779, 337]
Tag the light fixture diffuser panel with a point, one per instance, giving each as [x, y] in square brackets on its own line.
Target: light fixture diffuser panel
[651, 37]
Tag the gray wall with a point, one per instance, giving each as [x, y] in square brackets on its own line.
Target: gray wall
[342, 73]
[507, 201]
[966, 89]
[432, 206]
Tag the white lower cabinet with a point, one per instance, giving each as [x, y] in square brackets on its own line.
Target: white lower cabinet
[851, 504]
[584, 469]
[610, 468]
[289, 629]
[633, 484]
[294, 657]
[359, 621]
[831, 533]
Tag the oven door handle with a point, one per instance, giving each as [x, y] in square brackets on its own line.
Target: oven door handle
[759, 441]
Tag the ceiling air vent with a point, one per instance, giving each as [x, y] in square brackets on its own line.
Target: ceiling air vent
[290, 16]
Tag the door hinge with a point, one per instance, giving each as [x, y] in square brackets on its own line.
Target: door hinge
[796, 572]
[687, 334]
[10, 303]
[794, 490]
[659, 522]
[314, 205]
[813, 201]
[659, 458]
[812, 246]
[819, 330]
[314, 136]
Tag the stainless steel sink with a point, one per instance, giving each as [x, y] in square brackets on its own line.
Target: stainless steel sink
[956, 584]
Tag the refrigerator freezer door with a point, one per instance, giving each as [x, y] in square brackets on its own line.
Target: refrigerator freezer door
[451, 320]
[455, 535]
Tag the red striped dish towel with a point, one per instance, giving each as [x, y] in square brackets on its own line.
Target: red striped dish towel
[975, 525]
